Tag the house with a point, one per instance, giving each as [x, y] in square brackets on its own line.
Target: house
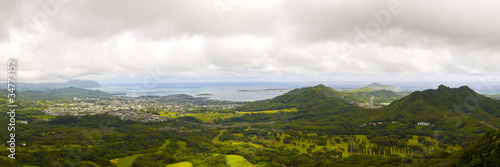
[395, 122]
[22, 122]
[423, 123]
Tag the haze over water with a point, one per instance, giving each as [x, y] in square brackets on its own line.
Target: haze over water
[231, 90]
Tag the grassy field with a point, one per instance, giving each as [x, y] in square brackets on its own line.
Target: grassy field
[181, 164]
[270, 111]
[250, 143]
[216, 138]
[331, 144]
[162, 147]
[128, 160]
[299, 147]
[207, 117]
[414, 141]
[42, 116]
[125, 161]
[237, 161]
[168, 114]
[182, 144]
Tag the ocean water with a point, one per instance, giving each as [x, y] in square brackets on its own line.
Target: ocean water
[231, 90]
[220, 90]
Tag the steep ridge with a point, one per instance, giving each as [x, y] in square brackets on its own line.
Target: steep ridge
[446, 104]
[484, 152]
[445, 108]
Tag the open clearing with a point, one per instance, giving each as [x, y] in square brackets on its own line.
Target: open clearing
[269, 111]
[181, 164]
[237, 161]
[125, 161]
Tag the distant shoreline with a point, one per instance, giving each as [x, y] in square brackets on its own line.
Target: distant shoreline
[267, 90]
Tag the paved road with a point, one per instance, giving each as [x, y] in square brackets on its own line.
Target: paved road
[489, 125]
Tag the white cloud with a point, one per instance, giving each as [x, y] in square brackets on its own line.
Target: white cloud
[264, 40]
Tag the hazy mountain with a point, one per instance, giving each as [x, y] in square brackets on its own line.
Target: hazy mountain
[22, 86]
[377, 86]
[363, 95]
[58, 94]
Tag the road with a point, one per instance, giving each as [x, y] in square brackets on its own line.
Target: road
[489, 125]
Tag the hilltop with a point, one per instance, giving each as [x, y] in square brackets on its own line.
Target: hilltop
[447, 103]
[319, 98]
[377, 86]
[446, 108]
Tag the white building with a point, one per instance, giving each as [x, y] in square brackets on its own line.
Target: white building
[423, 123]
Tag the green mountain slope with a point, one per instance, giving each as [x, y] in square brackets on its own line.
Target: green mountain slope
[457, 110]
[307, 100]
[447, 104]
[448, 109]
[364, 94]
[484, 152]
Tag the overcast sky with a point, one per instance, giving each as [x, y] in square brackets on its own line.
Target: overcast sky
[258, 40]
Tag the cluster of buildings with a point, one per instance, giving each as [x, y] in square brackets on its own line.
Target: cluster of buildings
[371, 124]
[394, 122]
[137, 108]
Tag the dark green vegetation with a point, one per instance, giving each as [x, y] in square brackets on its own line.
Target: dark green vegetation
[328, 129]
[484, 152]
[363, 95]
[318, 98]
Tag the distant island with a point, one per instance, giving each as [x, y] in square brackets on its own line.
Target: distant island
[205, 94]
[377, 86]
[267, 90]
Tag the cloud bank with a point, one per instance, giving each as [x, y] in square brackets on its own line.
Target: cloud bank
[239, 40]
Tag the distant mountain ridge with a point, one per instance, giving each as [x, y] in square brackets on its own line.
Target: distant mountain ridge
[447, 108]
[461, 101]
[377, 86]
[58, 94]
[22, 86]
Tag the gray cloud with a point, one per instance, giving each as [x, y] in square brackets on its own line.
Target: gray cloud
[252, 39]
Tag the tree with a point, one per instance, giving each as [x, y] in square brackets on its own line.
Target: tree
[309, 150]
[420, 139]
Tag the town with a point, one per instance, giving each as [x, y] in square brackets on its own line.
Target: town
[144, 108]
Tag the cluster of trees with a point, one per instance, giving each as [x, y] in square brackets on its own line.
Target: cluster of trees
[173, 153]
[484, 152]
[74, 141]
